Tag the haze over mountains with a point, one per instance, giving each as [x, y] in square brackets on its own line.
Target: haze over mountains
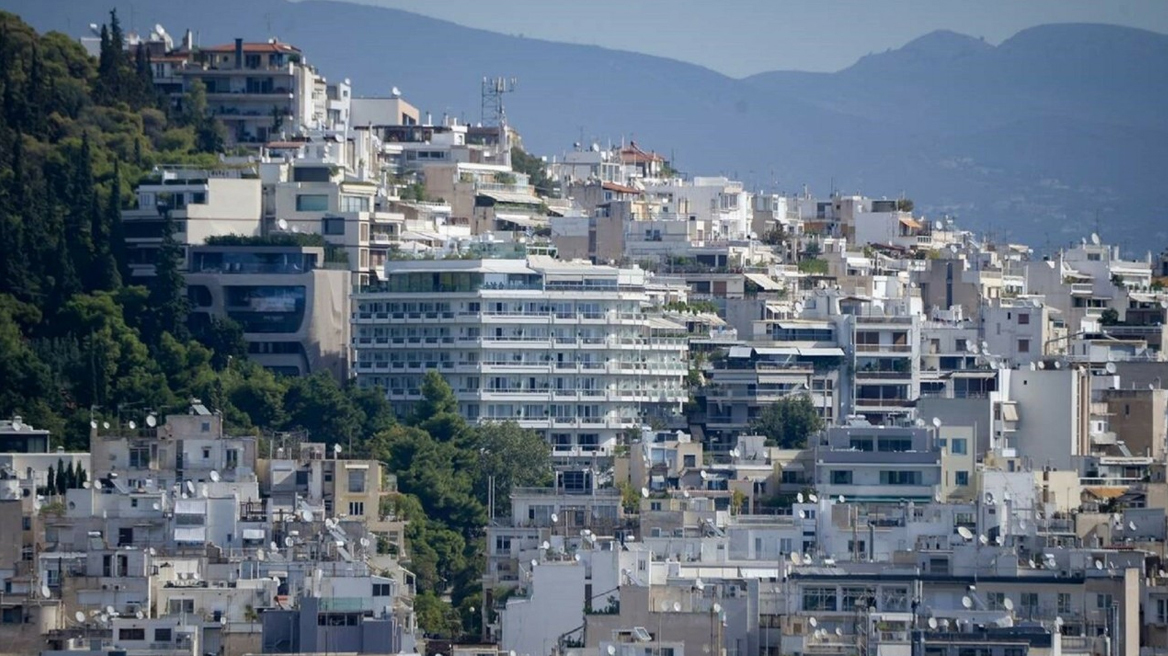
[1035, 139]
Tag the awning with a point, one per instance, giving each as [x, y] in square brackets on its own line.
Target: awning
[522, 220]
[1105, 492]
[1009, 412]
[763, 281]
[821, 352]
[356, 465]
[190, 507]
[740, 351]
[196, 534]
[794, 324]
[777, 350]
[508, 197]
[253, 534]
[910, 223]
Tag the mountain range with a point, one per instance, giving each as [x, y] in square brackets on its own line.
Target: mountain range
[1048, 136]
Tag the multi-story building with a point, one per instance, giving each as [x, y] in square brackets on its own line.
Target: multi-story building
[290, 302]
[564, 348]
[874, 463]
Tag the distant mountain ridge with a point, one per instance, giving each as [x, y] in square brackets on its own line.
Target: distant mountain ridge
[1031, 139]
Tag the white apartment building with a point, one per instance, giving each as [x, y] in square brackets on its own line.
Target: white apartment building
[564, 348]
[720, 206]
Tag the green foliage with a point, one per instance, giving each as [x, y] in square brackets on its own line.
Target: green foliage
[534, 167]
[513, 457]
[813, 266]
[904, 205]
[789, 422]
[1109, 317]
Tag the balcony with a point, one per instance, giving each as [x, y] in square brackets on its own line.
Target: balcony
[905, 349]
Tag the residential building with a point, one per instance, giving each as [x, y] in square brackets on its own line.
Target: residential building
[564, 348]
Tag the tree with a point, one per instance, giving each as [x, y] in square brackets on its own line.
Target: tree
[224, 336]
[788, 422]
[60, 484]
[513, 457]
[904, 205]
[168, 289]
[1109, 317]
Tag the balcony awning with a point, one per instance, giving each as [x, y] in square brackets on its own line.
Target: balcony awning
[1105, 492]
[190, 507]
[740, 351]
[804, 325]
[523, 220]
[827, 351]
[910, 223]
[254, 534]
[510, 197]
[196, 534]
[763, 281]
[1009, 412]
[777, 350]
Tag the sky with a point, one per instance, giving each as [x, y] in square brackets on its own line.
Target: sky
[743, 37]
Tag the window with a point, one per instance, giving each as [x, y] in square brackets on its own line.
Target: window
[354, 203]
[790, 477]
[206, 453]
[900, 478]
[131, 634]
[356, 481]
[381, 590]
[1023, 319]
[961, 478]
[1161, 611]
[1029, 601]
[841, 477]
[162, 635]
[1103, 601]
[1064, 602]
[855, 596]
[894, 445]
[996, 600]
[312, 202]
[819, 598]
[356, 508]
[689, 460]
[178, 606]
[139, 457]
[331, 225]
[1023, 346]
[958, 446]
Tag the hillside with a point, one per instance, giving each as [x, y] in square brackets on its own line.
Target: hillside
[1031, 138]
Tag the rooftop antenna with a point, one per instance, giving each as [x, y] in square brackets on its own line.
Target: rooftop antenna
[493, 89]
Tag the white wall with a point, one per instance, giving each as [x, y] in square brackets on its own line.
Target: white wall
[556, 606]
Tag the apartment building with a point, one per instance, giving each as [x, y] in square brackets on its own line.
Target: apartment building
[874, 463]
[564, 348]
[291, 303]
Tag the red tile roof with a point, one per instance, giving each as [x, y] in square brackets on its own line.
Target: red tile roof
[269, 47]
[633, 154]
[619, 188]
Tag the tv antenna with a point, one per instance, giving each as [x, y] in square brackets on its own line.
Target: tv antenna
[493, 91]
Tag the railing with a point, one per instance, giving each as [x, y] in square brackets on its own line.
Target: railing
[883, 348]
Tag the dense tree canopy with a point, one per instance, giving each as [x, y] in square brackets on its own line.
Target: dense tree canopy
[789, 422]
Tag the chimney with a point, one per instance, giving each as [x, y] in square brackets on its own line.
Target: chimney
[239, 53]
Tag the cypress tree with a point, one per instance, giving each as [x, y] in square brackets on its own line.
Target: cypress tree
[70, 477]
[113, 222]
[59, 483]
[168, 293]
[51, 485]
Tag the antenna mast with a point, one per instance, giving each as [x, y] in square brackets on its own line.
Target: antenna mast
[492, 99]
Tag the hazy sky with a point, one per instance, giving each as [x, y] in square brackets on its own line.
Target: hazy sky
[742, 37]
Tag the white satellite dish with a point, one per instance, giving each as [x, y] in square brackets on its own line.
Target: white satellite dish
[85, 485]
[545, 545]
[717, 607]
[1095, 239]
[46, 592]
[1022, 524]
[703, 474]
[109, 610]
[1109, 367]
[364, 542]
[839, 632]
[336, 448]
[103, 618]
[813, 498]
[306, 515]
[1098, 564]
[936, 422]
[841, 499]
[1041, 364]
[156, 506]
[982, 540]
[395, 92]
[1032, 564]
[799, 497]
[191, 487]
[965, 533]
[214, 475]
[555, 518]
[677, 606]
[132, 425]
[813, 622]
[288, 542]
[151, 551]
[79, 616]
[611, 650]
[534, 562]
[967, 602]
[699, 584]
[93, 423]
[798, 307]
[97, 485]
[139, 615]
[105, 425]
[1033, 366]
[260, 555]
[282, 224]
[1058, 621]
[933, 623]
[1058, 364]
[1008, 603]
[645, 493]
[802, 515]
[203, 490]
[151, 421]
[797, 558]
[273, 547]
[577, 557]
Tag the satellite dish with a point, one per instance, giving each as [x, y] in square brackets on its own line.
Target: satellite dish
[336, 448]
[611, 650]
[282, 224]
[841, 499]
[577, 558]
[132, 425]
[983, 540]
[395, 92]
[813, 622]
[260, 554]
[798, 307]
[93, 423]
[936, 422]
[1041, 365]
[214, 476]
[109, 610]
[802, 515]
[717, 607]
[685, 493]
[799, 497]
[1032, 564]
[812, 498]
[700, 584]
[645, 492]
[151, 551]
[1109, 367]
[103, 618]
[1131, 526]
[555, 518]
[545, 545]
[364, 542]
[677, 606]
[1058, 365]
[46, 592]
[190, 487]
[1058, 621]
[1033, 366]
[306, 515]
[965, 533]
[1098, 564]
[223, 621]
[79, 616]
[273, 547]
[85, 485]
[151, 421]
[105, 425]
[933, 623]
[839, 632]
[203, 490]
[703, 474]
[288, 542]
[1095, 238]
[796, 558]
[534, 562]
[156, 506]
[1008, 603]
[97, 485]
[139, 615]
[1022, 524]
[967, 602]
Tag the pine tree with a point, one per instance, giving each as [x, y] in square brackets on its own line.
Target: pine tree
[168, 293]
[113, 222]
[79, 216]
